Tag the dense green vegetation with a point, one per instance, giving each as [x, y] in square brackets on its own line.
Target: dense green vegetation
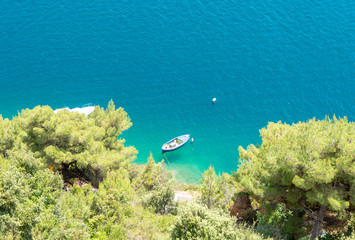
[304, 172]
[198, 222]
[70, 176]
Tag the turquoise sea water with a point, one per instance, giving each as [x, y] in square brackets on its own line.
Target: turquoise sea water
[163, 62]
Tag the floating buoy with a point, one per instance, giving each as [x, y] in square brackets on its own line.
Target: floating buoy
[192, 140]
[214, 100]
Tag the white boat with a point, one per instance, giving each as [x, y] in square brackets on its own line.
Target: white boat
[175, 143]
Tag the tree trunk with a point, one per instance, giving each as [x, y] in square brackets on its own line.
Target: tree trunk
[136, 189]
[209, 201]
[318, 222]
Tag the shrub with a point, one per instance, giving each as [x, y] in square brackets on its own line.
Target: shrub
[196, 222]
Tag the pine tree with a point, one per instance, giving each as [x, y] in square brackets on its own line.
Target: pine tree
[210, 191]
[74, 144]
[306, 165]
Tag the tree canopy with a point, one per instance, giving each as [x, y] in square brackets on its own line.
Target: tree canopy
[69, 176]
[197, 222]
[49, 164]
[307, 165]
[77, 145]
[216, 190]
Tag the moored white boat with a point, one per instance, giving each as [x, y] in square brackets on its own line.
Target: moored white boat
[175, 143]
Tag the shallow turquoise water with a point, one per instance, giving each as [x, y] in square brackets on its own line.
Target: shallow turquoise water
[163, 61]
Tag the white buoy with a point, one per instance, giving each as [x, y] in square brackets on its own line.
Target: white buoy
[214, 100]
[192, 140]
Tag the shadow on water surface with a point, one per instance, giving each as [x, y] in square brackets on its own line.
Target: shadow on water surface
[173, 156]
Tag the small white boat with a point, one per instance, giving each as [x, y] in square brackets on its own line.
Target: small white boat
[175, 143]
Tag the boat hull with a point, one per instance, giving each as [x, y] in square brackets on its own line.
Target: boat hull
[183, 138]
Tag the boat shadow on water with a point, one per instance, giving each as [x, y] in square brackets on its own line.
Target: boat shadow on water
[173, 156]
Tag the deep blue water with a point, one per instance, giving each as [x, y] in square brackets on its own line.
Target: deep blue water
[163, 62]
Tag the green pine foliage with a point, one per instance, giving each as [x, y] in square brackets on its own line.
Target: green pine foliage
[23, 196]
[308, 166]
[41, 150]
[197, 222]
[210, 192]
[149, 175]
[161, 199]
[279, 222]
[145, 224]
[78, 146]
[69, 176]
[6, 136]
[216, 190]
